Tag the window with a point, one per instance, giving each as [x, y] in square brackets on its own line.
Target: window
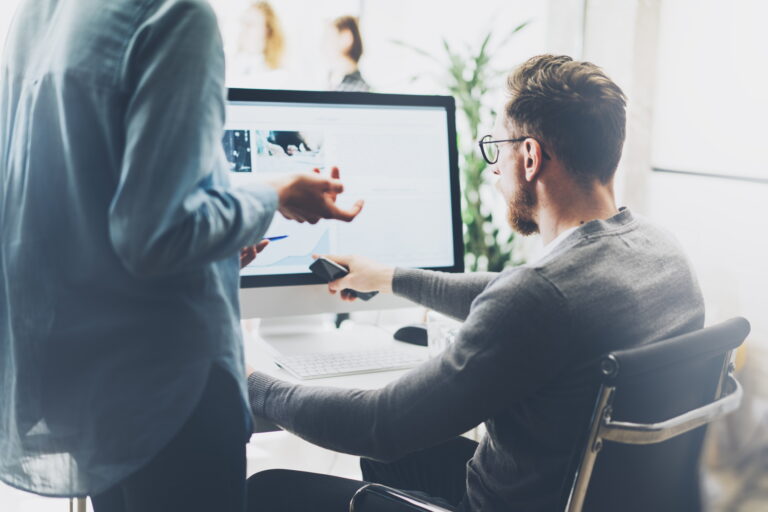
[711, 104]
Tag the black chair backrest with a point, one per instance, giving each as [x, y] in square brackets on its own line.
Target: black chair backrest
[654, 383]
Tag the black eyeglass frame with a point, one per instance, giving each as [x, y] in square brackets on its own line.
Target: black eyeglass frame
[486, 140]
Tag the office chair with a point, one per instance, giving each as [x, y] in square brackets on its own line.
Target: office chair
[648, 426]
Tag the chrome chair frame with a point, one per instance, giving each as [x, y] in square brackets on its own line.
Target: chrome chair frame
[603, 428]
[407, 501]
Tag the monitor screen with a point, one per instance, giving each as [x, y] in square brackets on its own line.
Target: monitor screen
[395, 152]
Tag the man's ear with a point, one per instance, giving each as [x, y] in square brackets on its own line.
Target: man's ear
[532, 159]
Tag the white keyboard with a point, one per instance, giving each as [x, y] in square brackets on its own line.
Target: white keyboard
[335, 364]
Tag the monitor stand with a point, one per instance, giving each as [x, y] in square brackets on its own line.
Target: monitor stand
[296, 325]
[317, 333]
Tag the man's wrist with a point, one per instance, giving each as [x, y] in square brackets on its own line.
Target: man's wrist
[282, 187]
[258, 388]
[387, 276]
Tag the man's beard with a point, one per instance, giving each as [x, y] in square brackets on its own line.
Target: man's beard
[520, 211]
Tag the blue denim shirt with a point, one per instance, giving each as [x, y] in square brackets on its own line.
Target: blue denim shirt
[119, 236]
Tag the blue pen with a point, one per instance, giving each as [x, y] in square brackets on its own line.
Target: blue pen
[274, 238]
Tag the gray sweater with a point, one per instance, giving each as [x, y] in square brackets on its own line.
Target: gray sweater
[522, 362]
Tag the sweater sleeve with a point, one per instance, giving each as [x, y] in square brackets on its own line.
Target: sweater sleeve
[450, 294]
[511, 344]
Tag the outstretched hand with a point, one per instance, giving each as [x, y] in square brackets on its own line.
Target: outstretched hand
[309, 198]
[364, 276]
[248, 254]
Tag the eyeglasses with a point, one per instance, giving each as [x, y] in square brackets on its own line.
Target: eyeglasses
[490, 148]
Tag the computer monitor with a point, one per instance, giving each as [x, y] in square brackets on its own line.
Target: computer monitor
[397, 152]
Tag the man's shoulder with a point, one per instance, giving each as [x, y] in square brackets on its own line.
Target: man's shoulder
[200, 6]
[598, 259]
[178, 12]
[640, 236]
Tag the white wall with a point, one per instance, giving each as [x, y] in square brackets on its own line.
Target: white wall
[711, 102]
[649, 47]
[710, 112]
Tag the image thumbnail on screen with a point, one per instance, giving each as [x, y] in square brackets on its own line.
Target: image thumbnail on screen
[274, 151]
[237, 148]
[286, 151]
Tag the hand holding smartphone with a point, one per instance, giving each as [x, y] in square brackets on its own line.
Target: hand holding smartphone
[328, 271]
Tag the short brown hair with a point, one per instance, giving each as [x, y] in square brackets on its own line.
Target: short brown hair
[342, 23]
[574, 109]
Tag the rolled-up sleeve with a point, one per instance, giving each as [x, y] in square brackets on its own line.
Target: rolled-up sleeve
[173, 210]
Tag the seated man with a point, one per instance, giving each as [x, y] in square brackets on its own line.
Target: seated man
[523, 359]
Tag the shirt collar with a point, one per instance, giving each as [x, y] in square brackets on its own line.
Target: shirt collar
[623, 218]
[551, 246]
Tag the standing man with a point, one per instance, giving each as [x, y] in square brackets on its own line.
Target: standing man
[120, 350]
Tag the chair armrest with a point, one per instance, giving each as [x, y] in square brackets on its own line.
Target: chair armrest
[380, 498]
[650, 433]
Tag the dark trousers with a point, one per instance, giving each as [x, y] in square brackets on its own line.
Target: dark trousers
[201, 469]
[437, 474]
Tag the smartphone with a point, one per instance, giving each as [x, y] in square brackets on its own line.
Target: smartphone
[328, 271]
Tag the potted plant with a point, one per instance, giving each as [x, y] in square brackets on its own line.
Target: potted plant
[468, 76]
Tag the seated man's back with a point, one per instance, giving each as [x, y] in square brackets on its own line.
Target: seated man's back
[612, 284]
